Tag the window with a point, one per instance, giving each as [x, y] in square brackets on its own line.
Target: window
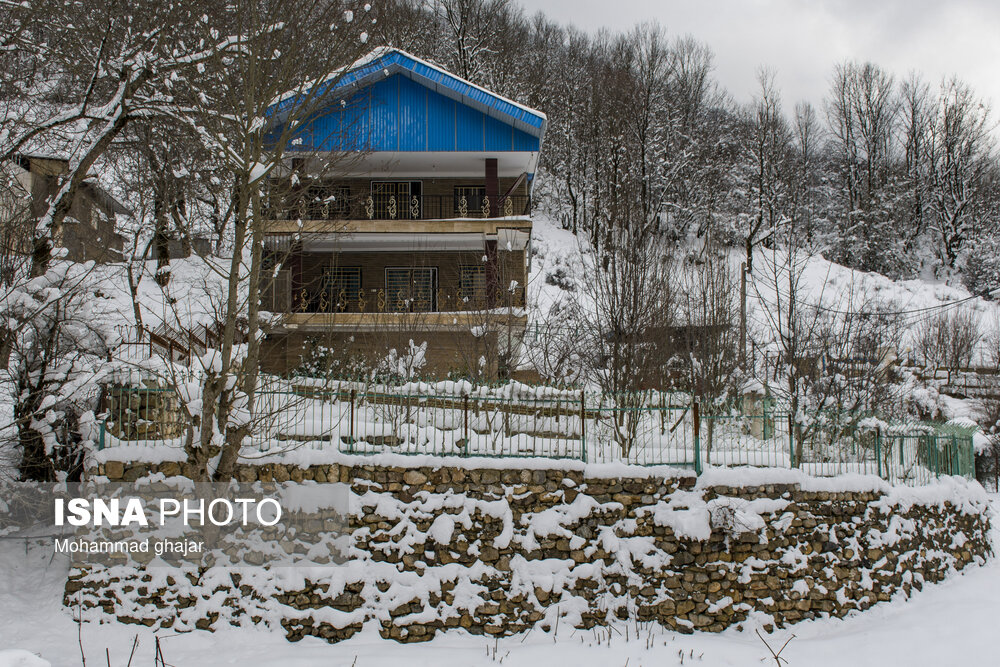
[394, 200]
[411, 290]
[472, 286]
[343, 288]
[473, 195]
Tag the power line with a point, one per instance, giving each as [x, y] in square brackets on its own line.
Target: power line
[910, 311]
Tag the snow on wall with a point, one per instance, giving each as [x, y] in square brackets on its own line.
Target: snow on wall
[497, 551]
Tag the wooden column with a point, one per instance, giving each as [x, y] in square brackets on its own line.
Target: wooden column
[492, 186]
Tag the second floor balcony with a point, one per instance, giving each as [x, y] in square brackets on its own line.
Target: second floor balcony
[397, 201]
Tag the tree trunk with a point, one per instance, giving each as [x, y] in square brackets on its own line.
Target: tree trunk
[161, 242]
[235, 437]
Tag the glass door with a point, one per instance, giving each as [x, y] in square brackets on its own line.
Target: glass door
[396, 200]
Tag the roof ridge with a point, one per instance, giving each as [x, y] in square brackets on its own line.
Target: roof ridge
[343, 77]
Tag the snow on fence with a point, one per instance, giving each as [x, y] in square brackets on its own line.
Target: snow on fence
[457, 419]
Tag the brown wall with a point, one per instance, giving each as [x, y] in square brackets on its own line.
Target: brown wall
[86, 243]
[447, 351]
[89, 231]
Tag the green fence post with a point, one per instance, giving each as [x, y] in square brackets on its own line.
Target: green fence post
[697, 440]
[465, 424]
[933, 442]
[583, 425]
[350, 436]
[878, 451]
[954, 455]
[100, 440]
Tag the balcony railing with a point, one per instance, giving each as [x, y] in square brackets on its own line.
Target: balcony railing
[280, 299]
[401, 207]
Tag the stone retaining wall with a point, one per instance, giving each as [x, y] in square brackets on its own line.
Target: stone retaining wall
[498, 551]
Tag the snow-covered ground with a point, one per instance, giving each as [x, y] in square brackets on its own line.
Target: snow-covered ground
[952, 623]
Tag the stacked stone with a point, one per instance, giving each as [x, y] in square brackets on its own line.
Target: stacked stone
[144, 413]
[814, 556]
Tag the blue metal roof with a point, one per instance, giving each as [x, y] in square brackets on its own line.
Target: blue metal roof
[393, 101]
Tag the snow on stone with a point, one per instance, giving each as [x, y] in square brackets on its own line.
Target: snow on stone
[19, 658]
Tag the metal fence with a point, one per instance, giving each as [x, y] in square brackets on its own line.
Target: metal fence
[456, 419]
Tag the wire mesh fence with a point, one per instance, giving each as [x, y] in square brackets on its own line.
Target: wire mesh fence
[517, 421]
[911, 453]
[372, 419]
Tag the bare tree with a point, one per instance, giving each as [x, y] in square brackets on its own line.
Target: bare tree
[960, 153]
[948, 339]
[552, 344]
[862, 113]
[708, 335]
[628, 308]
[916, 109]
[90, 71]
[114, 67]
[767, 150]
[835, 349]
[475, 31]
[247, 107]
[808, 185]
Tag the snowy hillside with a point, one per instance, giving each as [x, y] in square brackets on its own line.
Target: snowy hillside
[557, 269]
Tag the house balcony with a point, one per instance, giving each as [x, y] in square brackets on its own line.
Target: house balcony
[326, 211]
[316, 309]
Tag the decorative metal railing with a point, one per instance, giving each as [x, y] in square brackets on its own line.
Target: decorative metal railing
[315, 299]
[399, 207]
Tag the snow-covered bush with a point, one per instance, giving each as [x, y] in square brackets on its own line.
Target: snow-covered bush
[328, 361]
[58, 349]
[402, 367]
[982, 267]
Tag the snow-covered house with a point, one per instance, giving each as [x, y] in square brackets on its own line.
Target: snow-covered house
[89, 230]
[408, 218]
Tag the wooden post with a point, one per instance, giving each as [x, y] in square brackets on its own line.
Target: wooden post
[492, 189]
[697, 439]
[878, 452]
[791, 440]
[743, 315]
